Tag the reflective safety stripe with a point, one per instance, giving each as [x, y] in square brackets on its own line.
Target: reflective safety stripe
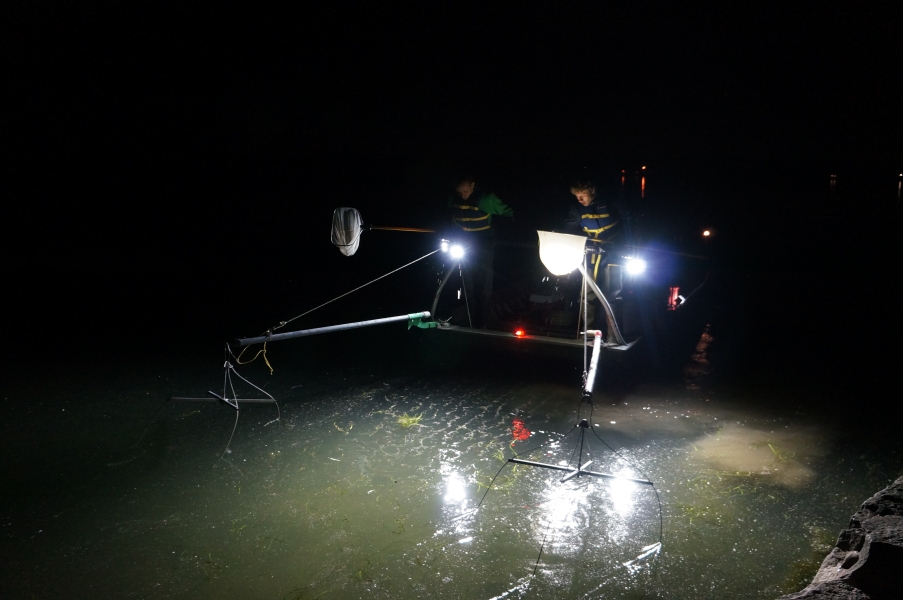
[459, 221]
[596, 232]
[601, 216]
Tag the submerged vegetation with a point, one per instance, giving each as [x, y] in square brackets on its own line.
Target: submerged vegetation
[406, 420]
[780, 455]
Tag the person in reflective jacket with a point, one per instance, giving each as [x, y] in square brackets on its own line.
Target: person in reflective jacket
[472, 210]
[593, 218]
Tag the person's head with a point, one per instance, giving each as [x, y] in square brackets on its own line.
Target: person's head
[465, 187]
[585, 192]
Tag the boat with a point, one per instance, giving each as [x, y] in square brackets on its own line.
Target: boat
[540, 286]
[538, 310]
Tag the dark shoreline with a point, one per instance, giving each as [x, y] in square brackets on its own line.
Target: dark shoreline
[865, 562]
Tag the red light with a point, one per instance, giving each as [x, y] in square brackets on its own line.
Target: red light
[518, 431]
[519, 332]
[672, 298]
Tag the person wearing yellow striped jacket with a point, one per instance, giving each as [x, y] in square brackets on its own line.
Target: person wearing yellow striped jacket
[472, 211]
[594, 219]
[599, 222]
[473, 208]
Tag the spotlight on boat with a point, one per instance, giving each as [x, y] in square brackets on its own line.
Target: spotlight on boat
[456, 251]
[561, 253]
[635, 266]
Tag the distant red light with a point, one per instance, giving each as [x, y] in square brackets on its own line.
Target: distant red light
[519, 332]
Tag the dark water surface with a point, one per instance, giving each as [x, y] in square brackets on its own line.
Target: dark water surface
[762, 436]
[344, 498]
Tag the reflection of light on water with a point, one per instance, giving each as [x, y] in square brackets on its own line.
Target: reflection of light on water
[560, 504]
[520, 589]
[454, 489]
[648, 553]
[622, 492]
[455, 499]
[588, 513]
[569, 506]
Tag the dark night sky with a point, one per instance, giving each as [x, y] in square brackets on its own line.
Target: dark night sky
[169, 139]
[210, 86]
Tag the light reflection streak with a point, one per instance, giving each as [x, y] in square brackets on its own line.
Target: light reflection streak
[454, 489]
[569, 509]
[622, 492]
[589, 517]
[454, 496]
[522, 586]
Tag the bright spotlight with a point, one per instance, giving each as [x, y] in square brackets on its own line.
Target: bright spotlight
[444, 246]
[706, 233]
[636, 266]
[456, 251]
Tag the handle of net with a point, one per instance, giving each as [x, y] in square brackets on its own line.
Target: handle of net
[593, 366]
[412, 229]
[414, 320]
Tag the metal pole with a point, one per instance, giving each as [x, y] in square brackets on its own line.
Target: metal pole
[218, 398]
[614, 334]
[442, 285]
[593, 363]
[305, 332]
[580, 471]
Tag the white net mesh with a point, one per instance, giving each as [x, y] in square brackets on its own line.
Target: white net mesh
[346, 230]
[559, 252]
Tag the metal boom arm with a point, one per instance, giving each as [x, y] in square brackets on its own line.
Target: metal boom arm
[412, 318]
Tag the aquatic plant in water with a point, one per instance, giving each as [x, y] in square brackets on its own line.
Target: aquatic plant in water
[408, 421]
